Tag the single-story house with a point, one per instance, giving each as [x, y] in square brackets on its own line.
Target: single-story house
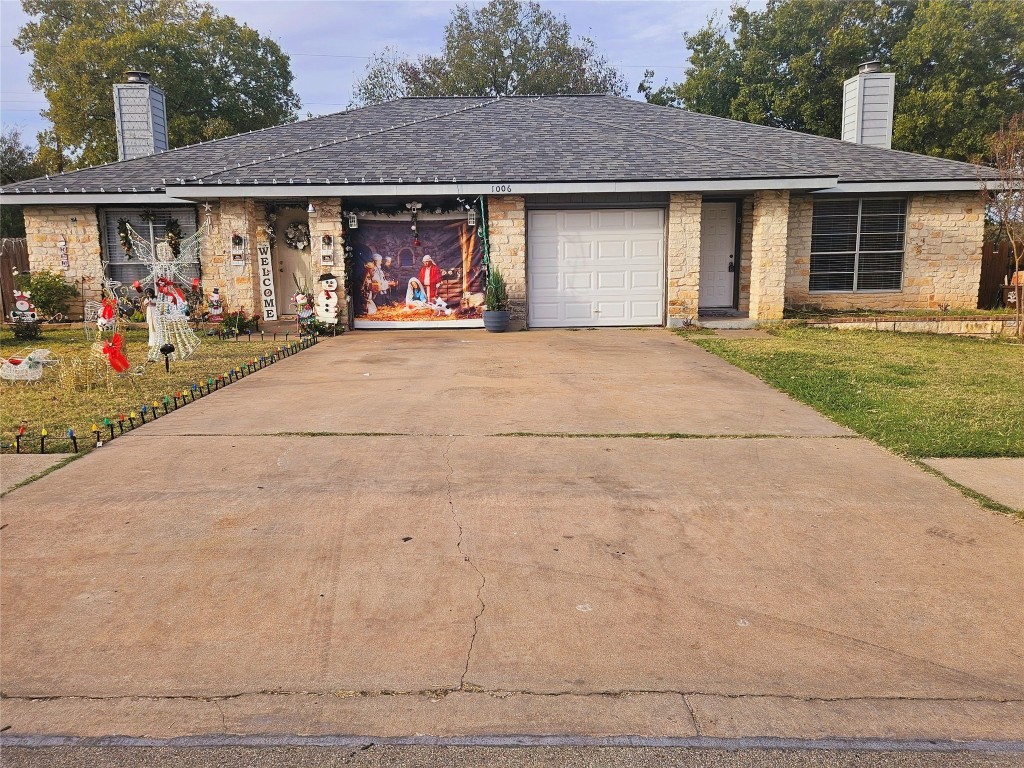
[598, 210]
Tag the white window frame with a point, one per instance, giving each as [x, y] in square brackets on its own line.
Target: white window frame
[857, 250]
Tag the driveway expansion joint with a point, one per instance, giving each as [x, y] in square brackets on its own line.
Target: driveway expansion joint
[505, 693]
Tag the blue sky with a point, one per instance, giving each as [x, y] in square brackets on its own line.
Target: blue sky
[330, 41]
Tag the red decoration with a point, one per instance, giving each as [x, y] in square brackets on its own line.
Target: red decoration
[137, 286]
[107, 312]
[167, 288]
[195, 283]
[115, 354]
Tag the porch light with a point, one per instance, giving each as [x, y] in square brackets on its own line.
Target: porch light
[353, 221]
[311, 209]
[471, 218]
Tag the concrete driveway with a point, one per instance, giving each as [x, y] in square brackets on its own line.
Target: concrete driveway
[593, 533]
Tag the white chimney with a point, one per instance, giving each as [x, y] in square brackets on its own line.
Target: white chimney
[140, 114]
[867, 106]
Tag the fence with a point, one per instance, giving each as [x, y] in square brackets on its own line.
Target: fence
[13, 256]
[996, 266]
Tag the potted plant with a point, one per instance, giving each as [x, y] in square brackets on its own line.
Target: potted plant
[496, 313]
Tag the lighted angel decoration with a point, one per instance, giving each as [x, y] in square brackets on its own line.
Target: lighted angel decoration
[165, 301]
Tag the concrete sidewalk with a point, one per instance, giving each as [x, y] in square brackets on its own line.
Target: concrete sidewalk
[769, 575]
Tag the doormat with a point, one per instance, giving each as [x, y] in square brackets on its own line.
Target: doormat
[717, 313]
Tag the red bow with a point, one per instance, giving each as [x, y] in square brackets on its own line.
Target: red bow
[115, 355]
[107, 313]
[167, 288]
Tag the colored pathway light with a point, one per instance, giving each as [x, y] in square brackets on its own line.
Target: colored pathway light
[109, 425]
[42, 440]
[120, 423]
[96, 434]
[156, 407]
[167, 350]
[167, 404]
[17, 438]
[73, 439]
[131, 420]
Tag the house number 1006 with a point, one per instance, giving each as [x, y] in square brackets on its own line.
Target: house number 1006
[501, 188]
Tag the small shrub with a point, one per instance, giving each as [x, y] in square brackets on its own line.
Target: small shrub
[26, 330]
[496, 293]
[239, 322]
[50, 294]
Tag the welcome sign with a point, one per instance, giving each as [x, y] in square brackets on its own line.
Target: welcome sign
[266, 267]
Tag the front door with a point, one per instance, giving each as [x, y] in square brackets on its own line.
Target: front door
[292, 266]
[718, 262]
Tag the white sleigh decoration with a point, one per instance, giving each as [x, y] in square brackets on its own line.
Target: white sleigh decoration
[28, 367]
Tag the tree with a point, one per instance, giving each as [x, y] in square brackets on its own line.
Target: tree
[1004, 194]
[960, 75]
[505, 48]
[16, 164]
[219, 78]
[959, 66]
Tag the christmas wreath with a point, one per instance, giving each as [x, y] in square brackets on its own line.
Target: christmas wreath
[297, 236]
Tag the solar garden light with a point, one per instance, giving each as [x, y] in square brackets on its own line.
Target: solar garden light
[167, 350]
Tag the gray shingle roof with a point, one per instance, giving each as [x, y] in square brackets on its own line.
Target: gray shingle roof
[517, 139]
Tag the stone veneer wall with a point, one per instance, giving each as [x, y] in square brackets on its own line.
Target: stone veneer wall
[942, 263]
[769, 247]
[238, 285]
[745, 252]
[506, 232]
[78, 226]
[327, 221]
[682, 248]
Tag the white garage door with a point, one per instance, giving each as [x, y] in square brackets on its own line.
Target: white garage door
[599, 267]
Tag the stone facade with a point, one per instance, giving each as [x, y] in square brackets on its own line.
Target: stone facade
[682, 247]
[79, 228]
[237, 285]
[769, 251]
[506, 236]
[746, 251]
[941, 267]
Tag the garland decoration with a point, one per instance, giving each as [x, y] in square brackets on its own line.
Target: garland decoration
[297, 236]
[173, 236]
[126, 241]
[447, 205]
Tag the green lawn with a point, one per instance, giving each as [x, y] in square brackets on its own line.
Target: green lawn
[919, 395]
[71, 395]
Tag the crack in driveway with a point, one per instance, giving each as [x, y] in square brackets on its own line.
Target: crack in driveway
[466, 558]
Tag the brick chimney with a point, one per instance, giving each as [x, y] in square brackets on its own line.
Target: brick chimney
[140, 114]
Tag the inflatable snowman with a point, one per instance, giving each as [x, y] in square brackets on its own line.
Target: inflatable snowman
[327, 300]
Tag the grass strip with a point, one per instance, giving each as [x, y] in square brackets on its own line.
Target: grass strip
[919, 395]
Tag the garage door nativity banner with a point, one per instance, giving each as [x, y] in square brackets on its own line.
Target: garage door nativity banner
[433, 277]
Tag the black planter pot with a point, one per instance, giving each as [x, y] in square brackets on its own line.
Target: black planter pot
[496, 321]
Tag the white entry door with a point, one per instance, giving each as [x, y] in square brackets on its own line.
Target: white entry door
[596, 267]
[292, 267]
[718, 262]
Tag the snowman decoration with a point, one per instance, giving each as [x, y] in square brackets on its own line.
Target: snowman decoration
[327, 299]
[215, 308]
[23, 311]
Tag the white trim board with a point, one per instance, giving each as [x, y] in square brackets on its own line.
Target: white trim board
[183, 195]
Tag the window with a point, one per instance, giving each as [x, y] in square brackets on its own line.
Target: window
[857, 244]
[116, 263]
